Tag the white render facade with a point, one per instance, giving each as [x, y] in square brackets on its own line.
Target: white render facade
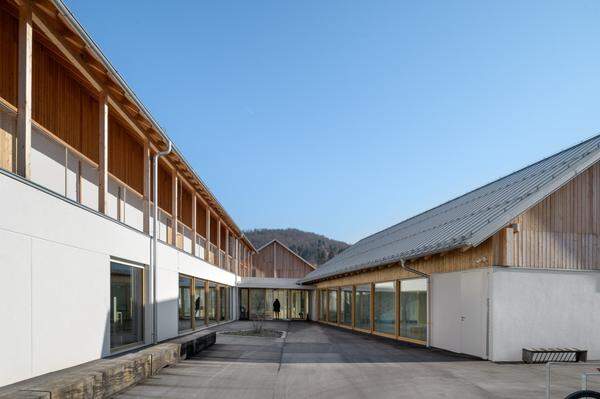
[55, 259]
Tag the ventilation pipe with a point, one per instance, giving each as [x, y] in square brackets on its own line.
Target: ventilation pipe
[153, 263]
[428, 277]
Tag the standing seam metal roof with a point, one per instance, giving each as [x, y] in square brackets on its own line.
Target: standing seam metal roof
[467, 220]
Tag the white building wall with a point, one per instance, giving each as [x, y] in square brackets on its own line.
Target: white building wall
[55, 280]
[543, 308]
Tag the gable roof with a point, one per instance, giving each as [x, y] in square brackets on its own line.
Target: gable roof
[468, 220]
[288, 249]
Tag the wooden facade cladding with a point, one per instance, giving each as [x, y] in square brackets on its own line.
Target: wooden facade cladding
[62, 105]
[185, 205]
[474, 258]
[9, 43]
[275, 260]
[165, 197]
[213, 230]
[125, 155]
[201, 219]
[560, 232]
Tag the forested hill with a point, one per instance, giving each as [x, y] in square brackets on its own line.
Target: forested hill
[315, 248]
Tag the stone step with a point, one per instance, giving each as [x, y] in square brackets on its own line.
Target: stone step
[105, 377]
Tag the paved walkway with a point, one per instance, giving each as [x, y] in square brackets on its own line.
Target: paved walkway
[316, 361]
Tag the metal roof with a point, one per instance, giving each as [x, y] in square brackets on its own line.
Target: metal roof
[465, 221]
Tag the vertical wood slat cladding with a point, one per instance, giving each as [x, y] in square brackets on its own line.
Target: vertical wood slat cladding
[201, 219]
[287, 264]
[213, 229]
[185, 204]
[62, 105]
[8, 129]
[562, 231]
[9, 47]
[125, 155]
[165, 197]
[478, 257]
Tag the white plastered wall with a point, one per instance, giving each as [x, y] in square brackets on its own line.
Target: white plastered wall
[544, 308]
[55, 280]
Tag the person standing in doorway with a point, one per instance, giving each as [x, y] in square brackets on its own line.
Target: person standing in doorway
[276, 308]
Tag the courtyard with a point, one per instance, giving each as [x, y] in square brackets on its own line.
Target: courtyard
[312, 360]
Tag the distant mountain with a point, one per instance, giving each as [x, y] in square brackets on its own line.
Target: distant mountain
[315, 248]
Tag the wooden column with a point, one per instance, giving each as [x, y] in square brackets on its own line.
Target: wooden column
[219, 243]
[237, 256]
[103, 156]
[194, 227]
[207, 243]
[275, 259]
[227, 248]
[23, 155]
[174, 209]
[147, 188]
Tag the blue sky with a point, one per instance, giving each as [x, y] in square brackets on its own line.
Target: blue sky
[343, 118]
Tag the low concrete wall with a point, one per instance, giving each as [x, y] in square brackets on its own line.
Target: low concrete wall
[106, 377]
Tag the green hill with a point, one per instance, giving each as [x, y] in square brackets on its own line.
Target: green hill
[315, 248]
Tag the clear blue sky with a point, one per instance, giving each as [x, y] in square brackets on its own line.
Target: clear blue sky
[343, 118]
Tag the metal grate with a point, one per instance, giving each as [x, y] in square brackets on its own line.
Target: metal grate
[545, 355]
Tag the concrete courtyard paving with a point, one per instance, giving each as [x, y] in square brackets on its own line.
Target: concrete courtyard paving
[316, 361]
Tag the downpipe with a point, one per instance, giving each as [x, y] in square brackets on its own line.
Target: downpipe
[428, 277]
[153, 263]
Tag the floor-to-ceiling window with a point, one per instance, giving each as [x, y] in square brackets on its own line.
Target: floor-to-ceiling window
[413, 309]
[332, 306]
[346, 306]
[199, 302]
[211, 303]
[282, 297]
[126, 305]
[185, 303]
[244, 304]
[224, 303]
[384, 314]
[322, 305]
[257, 303]
[298, 304]
[362, 307]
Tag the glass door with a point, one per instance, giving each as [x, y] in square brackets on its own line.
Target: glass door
[298, 304]
[244, 306]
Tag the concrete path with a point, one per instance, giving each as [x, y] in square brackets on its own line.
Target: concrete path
[316, 361]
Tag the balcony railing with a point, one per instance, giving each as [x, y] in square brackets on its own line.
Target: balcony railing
[212, 254]
[222, 259]
[165, 226]
[201, 247]
[184, 238]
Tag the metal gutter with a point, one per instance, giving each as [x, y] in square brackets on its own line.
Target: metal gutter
[153, 263]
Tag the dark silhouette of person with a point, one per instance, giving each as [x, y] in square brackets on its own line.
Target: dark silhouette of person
[276, 308]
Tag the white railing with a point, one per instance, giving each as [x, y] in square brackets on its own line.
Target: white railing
[200, 246]
[212, 254]
[164, 226]
[8, 129]
[62, 169]
[222, 259]
[184, 238]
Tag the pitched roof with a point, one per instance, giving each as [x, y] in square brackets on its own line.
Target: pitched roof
[465, 221]
[275, 240]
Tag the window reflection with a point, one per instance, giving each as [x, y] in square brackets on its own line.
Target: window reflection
[385, 309]
[126, 305]
[346, 306]
[413, 309]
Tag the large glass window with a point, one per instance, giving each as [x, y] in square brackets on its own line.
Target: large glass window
[224, 303]
[322, 305]
[385, 308]
[298, 304]
[211, 305]
[257, 303]
[346, 305]
[185, 303]
[282, 297]
[126, 305]
[199, 302]
[332, 306]
[362, 307]
[413, 309]
[244, 305]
